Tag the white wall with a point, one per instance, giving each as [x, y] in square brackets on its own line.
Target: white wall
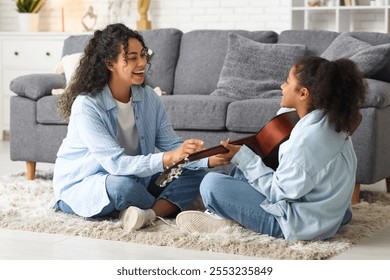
[183, 14]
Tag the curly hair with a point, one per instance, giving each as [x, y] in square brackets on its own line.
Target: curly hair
[337, 87]
[92, 73]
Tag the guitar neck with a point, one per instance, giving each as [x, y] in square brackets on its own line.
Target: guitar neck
[249, 141]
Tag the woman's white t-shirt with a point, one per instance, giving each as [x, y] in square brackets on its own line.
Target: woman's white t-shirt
[127, 133]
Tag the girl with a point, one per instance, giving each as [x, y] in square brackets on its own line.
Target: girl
[308, 196]
[107, 162]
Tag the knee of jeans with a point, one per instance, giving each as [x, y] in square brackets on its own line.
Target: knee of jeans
[209, 187]
[121, 189]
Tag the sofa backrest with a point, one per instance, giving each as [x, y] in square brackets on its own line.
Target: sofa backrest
[202, 53]
[316, 41]
[191, 63]
[165, 43]
[75, 44]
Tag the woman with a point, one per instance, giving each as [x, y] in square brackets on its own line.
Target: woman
[308, 196]
[107, 162]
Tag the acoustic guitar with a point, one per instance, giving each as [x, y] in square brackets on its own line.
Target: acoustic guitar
[265, 144]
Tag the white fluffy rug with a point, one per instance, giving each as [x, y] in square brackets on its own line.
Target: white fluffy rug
[26, 205]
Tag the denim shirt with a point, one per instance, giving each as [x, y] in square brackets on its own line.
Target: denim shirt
[91, 150]
[311, 189]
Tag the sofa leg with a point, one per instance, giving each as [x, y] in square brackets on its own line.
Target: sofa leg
[30, 165]
[388, 184]
[356, 194]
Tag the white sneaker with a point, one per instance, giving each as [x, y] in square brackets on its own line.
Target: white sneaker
[134, 218]
[196, 221]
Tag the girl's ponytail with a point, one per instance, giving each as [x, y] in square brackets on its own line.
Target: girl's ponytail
[337, 87]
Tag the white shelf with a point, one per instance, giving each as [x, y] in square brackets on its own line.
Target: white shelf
[340, 18]
[326, 8]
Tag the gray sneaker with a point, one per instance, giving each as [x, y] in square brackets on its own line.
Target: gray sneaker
[196, 221]
[134, 218]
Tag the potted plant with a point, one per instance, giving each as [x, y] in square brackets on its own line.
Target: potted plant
[29, 6]
[28, 14]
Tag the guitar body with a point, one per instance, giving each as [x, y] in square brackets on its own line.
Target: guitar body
[272, 135]
[265, 144]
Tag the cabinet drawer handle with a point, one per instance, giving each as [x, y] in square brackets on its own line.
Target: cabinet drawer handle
[47, 53]
[16, 53]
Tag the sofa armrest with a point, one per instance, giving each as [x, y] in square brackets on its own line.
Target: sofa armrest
[35, 86]
[378, 95]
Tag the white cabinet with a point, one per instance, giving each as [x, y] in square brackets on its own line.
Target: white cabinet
[21, 54]
[335, 15]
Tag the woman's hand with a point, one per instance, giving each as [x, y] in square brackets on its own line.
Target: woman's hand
[188, 147]
[224, 159]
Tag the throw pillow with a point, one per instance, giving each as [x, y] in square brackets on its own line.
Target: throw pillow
[69, 64]
[35, 86]
[368, 58]
[255, 70]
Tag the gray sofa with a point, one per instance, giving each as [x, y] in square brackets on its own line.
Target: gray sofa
[220, 84]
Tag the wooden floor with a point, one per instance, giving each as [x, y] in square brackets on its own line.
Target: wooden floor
[19, 245]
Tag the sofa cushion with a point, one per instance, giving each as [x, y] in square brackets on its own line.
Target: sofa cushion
[201, 112]
[316, 41]
[255, 70]
[369, 59]
[47, 110]
[165, 44]
[202, 53]
[251, 115]
[34, 86]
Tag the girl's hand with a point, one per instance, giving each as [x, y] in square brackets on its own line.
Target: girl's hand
[188, 147]
[224, 159]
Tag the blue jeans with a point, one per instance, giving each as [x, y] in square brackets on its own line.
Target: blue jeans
[125, 191]
[232, 197]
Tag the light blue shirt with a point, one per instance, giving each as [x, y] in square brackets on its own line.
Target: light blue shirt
[91, 151]
[311, 189]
